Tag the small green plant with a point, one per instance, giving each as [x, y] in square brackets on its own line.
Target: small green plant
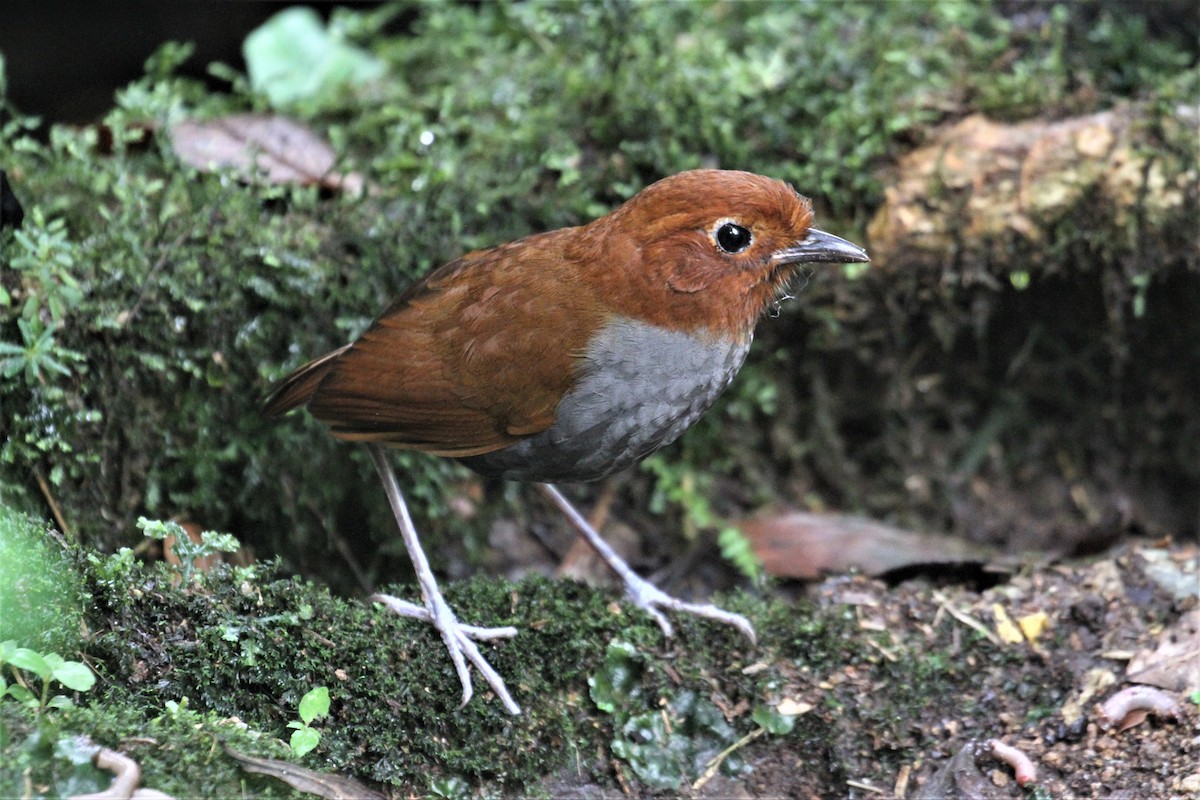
[38, 353]
[663, 742]
[314, 705]
[50, 668]
[615, 684]
[772, 720]
[451, 788]
[175, 708]
[46, 258]
[189, 552]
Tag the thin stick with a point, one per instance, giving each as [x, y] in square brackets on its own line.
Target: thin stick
[59, 519]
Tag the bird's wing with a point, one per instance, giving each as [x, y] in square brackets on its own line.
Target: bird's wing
[468, 361]
[297, 389]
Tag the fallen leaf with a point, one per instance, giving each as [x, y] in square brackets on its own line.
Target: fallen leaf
[790, 707]
[1034, 625]
[1178, 574]
[1006, 629]
[262, 146]
[807, 545]
[1174, 664]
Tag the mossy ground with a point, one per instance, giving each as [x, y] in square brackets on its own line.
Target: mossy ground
[892, 680]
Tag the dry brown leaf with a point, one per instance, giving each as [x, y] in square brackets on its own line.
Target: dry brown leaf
[806, 545]
[1175, 663]
[791, 707]
[262, 146]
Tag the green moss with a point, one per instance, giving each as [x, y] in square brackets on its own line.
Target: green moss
[173, 749]
[41, 596]
[251, 650]
[247, 644]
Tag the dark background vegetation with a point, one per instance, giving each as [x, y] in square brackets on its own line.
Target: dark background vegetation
[173, 299]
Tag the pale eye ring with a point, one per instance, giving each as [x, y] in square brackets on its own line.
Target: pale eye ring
[732, 238]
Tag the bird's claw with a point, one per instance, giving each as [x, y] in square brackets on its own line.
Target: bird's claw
[650, 599]
[645, 595]
[459, 639]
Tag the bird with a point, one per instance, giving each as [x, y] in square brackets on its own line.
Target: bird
[567, 356]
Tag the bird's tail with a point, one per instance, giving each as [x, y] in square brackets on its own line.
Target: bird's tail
[298, 388]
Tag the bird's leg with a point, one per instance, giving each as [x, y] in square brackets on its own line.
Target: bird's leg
[458, 637]
[644, 594]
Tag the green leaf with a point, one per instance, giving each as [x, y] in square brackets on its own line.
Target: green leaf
[60, 701]
[314, 704]
[736, 549]
[22, 695]
[774, 722]
[73, 675]
[29, 660]
[214, 541]
[304, 740]
[658, 757]
[160, 529]
[616, 681]
[293, 56]
[77, 750]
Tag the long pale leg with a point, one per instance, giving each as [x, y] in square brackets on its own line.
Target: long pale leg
[644, 594]
[458, 637]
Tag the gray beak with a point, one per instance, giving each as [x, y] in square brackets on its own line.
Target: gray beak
[821, 246]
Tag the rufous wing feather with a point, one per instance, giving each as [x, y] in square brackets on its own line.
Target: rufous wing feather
[455, 366]
[297, 389]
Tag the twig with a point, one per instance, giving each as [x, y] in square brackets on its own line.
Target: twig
[966, 619]
[866, 787]
[711, 769]
[59, 519]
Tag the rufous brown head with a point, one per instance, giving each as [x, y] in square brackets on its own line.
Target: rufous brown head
[707, 249]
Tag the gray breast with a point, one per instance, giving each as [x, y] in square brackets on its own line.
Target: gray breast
[641, 386]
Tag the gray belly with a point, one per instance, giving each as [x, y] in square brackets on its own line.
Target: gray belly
[641, 387]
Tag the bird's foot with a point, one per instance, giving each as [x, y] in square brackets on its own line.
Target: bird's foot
[460, 641]
[650, 598]
[642, 592]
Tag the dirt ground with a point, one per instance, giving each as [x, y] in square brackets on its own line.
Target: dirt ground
[1027, 661]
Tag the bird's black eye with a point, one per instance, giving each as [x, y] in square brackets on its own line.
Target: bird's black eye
[733, 238]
